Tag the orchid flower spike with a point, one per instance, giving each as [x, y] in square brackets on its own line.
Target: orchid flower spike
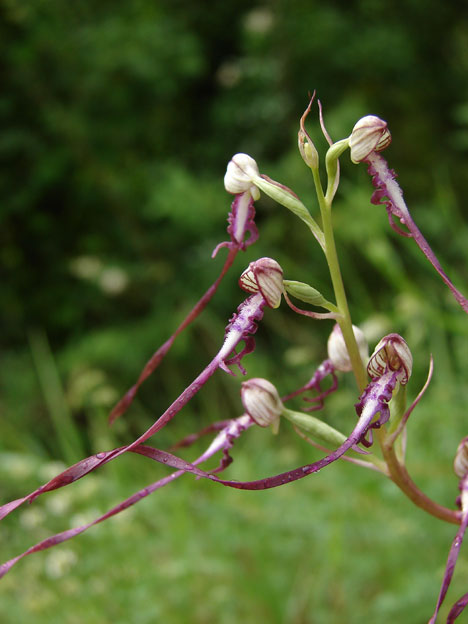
[261, 401]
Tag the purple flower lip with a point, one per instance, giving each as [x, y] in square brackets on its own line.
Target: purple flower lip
[240, 328]
[388, 192]
[460, 605]
[325, 369]
[374, 400]
[241, 222]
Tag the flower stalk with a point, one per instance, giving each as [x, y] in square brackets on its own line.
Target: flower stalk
[331, 255]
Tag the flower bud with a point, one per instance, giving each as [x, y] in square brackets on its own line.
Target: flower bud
[306, 293]
[460, 463]
[306, 146]
[307, 149]
[240, 172]
[338, 353]
[370, 134]
[392, 353]
[266, 277]
[261, 401]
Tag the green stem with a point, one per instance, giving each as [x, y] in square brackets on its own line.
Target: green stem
[338, 286]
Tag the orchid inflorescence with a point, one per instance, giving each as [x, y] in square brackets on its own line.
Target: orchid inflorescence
[378, 439]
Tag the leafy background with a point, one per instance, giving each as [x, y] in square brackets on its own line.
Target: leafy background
[118, 120]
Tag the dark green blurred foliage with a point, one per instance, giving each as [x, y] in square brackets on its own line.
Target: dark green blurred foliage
[118, 120]
[110, 113]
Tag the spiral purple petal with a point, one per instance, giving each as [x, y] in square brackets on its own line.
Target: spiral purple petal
[389, 193]
[222, 442]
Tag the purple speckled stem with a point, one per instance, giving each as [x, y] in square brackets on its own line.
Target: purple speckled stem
[386, 186]
[452, 559]
[223, 441]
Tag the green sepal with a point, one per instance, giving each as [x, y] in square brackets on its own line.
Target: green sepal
[283, 195]
[287, 198]
[330, 437]
[308, 294]
[316, 428]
